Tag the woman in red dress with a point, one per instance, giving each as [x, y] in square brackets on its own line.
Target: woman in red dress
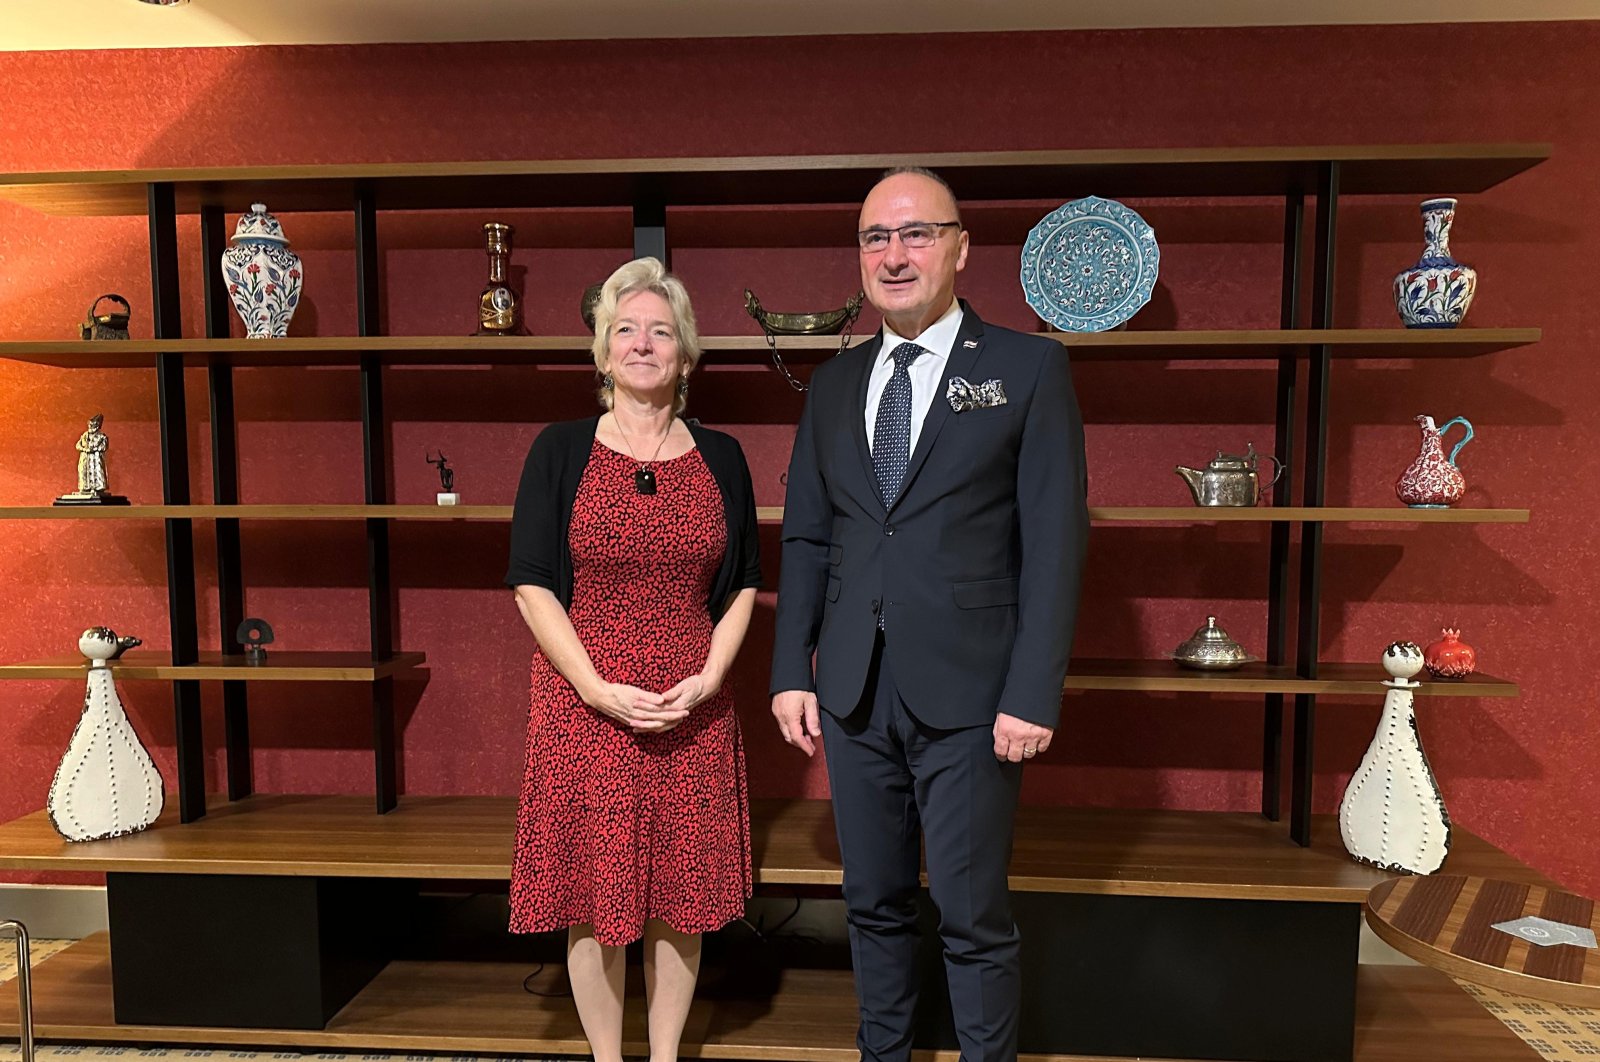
[634, 560]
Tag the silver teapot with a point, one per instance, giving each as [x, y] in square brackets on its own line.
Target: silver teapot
[1229, 479]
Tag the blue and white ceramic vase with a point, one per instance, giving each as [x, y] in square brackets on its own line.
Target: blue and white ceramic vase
[1436, 292]
[263, 275]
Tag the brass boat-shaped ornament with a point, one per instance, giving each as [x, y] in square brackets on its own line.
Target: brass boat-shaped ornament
[827, 323]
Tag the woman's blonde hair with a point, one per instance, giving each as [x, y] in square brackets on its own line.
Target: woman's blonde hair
[644, 274]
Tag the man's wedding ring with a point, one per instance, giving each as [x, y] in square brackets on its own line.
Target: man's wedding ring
[1030, 750]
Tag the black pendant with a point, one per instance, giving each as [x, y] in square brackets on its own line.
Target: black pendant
[644, 481]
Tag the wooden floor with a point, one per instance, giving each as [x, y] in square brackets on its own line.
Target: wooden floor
[1404, 1014]
[1081, 850]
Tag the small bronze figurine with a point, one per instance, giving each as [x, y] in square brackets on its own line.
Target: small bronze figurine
[447, 479]
[255, 635]
[93, 487]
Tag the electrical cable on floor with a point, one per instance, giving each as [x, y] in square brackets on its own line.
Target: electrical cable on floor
[526, 987]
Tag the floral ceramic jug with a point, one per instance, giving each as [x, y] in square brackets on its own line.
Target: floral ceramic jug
[263, 275]
[1433, 481]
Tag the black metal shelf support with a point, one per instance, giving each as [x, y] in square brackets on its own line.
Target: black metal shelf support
[1314, 490]
[225, 491]
[650, 226]
[182, 612]
[375, 454]
[1278, 584]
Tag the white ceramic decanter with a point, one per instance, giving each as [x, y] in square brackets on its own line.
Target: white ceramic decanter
[1392, 815]
[107, 784]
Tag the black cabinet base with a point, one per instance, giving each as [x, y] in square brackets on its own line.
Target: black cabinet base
[1165, 977]
[1131, 976]
[246, 951]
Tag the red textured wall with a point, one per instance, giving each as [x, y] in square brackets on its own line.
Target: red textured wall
[1521, 772]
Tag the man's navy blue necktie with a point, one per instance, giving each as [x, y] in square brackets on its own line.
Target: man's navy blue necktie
[891, 433]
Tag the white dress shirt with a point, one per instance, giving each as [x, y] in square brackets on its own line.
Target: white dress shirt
[925, 372]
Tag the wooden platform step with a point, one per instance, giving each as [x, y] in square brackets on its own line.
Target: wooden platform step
[1403, 1014]
[1072, 850]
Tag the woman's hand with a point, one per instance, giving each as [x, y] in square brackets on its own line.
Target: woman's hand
[696, 689]
[639, 710]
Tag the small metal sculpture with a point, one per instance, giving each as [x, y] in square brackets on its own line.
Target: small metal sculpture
[107, 784]
[447, 479]
[827, 323]
[93, 483]
[255, 635]
[112, 325]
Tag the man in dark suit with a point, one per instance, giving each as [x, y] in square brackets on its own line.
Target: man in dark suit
[933, 538]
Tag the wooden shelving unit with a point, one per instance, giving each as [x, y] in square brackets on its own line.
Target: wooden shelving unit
[1185, 878]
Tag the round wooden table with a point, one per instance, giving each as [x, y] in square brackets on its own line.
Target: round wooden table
[1447, 922]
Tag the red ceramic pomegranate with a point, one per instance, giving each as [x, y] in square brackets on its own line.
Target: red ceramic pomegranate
[1450, 657]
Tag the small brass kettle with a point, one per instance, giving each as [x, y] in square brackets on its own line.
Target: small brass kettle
[113, 325]
[1229, 479]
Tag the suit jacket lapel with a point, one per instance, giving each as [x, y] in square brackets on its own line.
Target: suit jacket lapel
[866, 357]
[963, 356]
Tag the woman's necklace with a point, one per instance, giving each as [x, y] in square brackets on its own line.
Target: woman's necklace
[644, 477]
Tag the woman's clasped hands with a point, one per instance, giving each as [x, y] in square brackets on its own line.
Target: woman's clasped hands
[643, 711]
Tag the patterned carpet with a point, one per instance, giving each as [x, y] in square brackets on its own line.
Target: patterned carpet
[1559, 1033]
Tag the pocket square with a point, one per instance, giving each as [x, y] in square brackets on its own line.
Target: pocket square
[963, 395]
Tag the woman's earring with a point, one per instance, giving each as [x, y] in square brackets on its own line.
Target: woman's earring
[683, 387]
[607, 383]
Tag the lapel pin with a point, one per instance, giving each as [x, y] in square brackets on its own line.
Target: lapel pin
[969, 343]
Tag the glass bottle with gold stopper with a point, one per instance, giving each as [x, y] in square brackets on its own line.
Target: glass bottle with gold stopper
[497, 306]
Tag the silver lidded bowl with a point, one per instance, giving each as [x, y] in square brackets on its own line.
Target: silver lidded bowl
[1210, 649]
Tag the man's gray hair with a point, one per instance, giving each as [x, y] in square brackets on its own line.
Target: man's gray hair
[922, 171]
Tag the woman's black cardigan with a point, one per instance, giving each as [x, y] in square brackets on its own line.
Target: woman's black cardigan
[540, 552]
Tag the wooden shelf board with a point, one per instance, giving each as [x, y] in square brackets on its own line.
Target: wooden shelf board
[256, 512]
[1069, 850]
[1148, 676]
[1394, 514]
[1166, 676]
[1403, 1013]
[1409, 169]
[1108, 514]
[573, 351]
[279, 667]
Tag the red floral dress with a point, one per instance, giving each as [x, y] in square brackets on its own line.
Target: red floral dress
[616, 827]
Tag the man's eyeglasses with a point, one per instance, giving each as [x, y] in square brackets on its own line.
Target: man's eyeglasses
[916, 234]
